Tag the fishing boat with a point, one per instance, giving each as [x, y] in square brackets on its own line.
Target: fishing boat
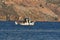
[26, 21]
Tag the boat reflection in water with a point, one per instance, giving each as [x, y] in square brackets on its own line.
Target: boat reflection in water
[26, 21]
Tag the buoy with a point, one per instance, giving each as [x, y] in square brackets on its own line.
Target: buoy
[16, 23]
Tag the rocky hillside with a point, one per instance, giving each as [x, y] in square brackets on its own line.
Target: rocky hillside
[37, 10]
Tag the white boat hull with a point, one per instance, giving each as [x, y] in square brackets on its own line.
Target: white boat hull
[24, 23]
[27, 23]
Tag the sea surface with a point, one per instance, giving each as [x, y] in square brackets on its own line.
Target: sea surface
[39, 31]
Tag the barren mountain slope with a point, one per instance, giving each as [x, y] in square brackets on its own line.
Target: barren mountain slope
[37, 10]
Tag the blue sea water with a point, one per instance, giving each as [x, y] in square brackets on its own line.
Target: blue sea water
[40, 31]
